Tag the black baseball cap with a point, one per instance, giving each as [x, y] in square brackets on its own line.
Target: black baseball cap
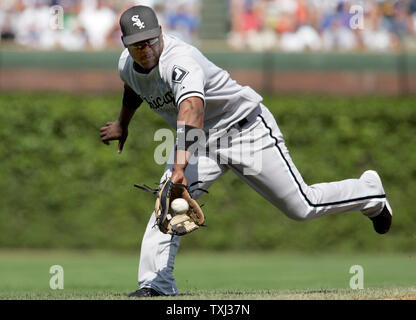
[139, 23]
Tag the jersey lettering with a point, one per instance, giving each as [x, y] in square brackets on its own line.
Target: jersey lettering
[159, 102]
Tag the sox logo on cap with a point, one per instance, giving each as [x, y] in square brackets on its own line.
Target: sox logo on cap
[137, 22]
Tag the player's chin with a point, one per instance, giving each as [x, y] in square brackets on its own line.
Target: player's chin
[147, 63]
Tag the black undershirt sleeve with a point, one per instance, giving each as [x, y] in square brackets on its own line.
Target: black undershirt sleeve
[131, 99]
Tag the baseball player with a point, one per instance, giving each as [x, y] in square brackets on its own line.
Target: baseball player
[180, 84]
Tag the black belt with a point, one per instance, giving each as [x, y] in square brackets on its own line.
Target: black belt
[242, 122]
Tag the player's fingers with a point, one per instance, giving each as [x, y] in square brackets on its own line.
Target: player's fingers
[105, 140]
[108, 123]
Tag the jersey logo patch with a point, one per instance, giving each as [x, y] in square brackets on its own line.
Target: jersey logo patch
[178, 74]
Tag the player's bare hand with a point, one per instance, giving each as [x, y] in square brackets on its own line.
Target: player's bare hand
[178, 176]
[114, 131]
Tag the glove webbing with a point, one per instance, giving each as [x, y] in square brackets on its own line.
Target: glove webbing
[155, 191]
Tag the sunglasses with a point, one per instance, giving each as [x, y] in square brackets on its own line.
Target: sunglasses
[142, 44]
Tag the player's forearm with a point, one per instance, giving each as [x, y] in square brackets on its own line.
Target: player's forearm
[125, 116]
[181, 159]
[191, 115]
[191, 112]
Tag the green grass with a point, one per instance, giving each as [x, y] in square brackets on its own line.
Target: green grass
[24, 274]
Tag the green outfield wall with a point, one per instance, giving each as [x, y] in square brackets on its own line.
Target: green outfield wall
[271, 72]
[227, 60]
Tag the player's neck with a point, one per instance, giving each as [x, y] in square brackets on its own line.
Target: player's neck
[139, 68]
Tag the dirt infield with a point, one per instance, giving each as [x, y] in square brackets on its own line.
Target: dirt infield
[98, 81]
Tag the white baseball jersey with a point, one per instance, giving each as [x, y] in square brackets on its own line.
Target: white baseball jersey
[183, 72]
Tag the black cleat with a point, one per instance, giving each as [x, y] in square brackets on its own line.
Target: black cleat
[144, 293]
[382, 222]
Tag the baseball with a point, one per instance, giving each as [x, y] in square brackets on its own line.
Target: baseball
[179, 205]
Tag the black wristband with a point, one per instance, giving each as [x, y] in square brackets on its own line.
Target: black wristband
[188, 136]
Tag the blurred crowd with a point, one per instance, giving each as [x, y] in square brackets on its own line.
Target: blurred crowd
[286, 25]
[326, 25]
[86, 24]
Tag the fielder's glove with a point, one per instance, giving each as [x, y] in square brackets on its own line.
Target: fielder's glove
[168, 221]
